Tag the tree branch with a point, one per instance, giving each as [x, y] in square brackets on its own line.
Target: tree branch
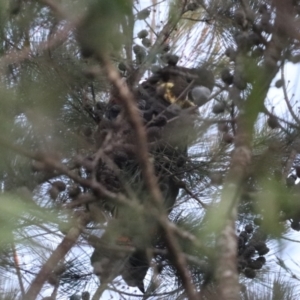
[62, 249]
[149, 174]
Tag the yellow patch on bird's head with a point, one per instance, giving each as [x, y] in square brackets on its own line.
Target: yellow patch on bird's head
[168, 95]
[167, 91]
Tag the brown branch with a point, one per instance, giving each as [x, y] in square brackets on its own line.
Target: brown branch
[62, 249]
[189, 192]
[226, 271]
[99, 292]
[5, 143]
[137, 124]
[205, 20]
[149, 174]
[17, 267]
[98, 188]
[16, 57]
[178, 257]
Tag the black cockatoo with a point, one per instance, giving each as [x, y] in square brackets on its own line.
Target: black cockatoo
[179, 85]
[167, 102]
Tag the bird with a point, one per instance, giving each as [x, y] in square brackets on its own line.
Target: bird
[186, 87]
[167, 102]
[175, 93]
[135, 269]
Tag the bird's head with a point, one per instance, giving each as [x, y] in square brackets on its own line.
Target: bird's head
[166, 90]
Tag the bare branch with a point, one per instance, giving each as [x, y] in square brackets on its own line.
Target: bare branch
[62, 249]
[149, 175]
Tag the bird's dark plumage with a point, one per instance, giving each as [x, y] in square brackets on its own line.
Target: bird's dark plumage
[167, 108]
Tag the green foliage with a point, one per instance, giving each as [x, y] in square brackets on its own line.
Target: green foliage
[100, 16]
[62, 120]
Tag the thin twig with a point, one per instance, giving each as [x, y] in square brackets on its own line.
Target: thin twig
[16, 57]
[17, 267]
[98, 188]
[205, 20]
[59, 253]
